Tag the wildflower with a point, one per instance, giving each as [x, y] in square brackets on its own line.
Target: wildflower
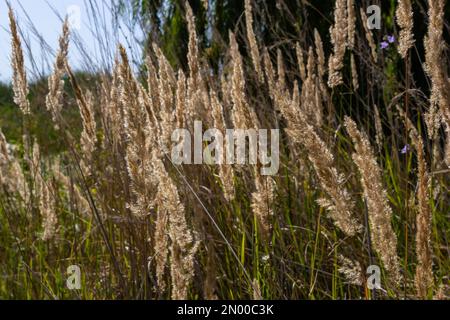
[384, 45]
[405, 149]
[391, 39]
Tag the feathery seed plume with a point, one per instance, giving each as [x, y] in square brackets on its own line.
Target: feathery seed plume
[183, 247]
[380, 213]
[338, 33]
[435, 65]
[404, 17]
[355, 81]
[261, 203]
[379, 137]
[338, 203]
[254, 51]
[19, 78]
[424, 274]
[351, 23]
[226, 172]
[369, 36]
[55, 83]
[300, 61]
[352, 270]
[242, 114]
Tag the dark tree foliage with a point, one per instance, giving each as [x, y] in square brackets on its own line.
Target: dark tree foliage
[276, 23]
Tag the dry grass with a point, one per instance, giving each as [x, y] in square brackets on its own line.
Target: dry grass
[141, 227]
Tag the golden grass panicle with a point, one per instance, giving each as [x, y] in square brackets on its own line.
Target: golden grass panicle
[351, 24]
[4, 152]
[5, 160]
[338, 33]
[113, 112]
[379, 135]
[19, 78]
[183, 246]
[196, 84]
[242, 115]
[300, 61]
[140, 140]
[321, 67]
[181, 100]
[424, 273]
[167, 85]
[53, 100]
[226, 173]
[18, 182]
[311, 96]
[225, 90]
[281, 71]
[433, 117]
[35, 164]
[85, 102]
[338, 202]
[161, 236]
[238, 85]
[193, 57]
[295, 95]
[89, 134]
[261, 202]
[254, 51]
[44, 196]
[152, 83]
[38, 183]
[351, 270]
[369, 36]
[435, 64]
[278, 90]
[48, 211]
[404, 17]
[270, 73]
[355, 80]
[320, 54]
[380, 213]
[12, 176]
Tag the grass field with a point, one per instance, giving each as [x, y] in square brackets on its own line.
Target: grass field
[87, 178]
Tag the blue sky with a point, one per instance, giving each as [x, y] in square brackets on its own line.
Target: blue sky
[43, 17]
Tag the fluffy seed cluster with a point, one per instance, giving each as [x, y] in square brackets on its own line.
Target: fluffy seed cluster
[19, 79]
[404, 16]
[338, 34]
[369, 36]
[380, 213]
[252, 41]
[424, 274]
[434, 49]
[338, 202]
[55, 83]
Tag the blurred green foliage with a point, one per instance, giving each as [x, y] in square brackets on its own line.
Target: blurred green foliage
[42, 127]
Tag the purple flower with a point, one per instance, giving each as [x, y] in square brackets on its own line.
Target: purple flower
[405, 149]
[384, 45]
[391, 39]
